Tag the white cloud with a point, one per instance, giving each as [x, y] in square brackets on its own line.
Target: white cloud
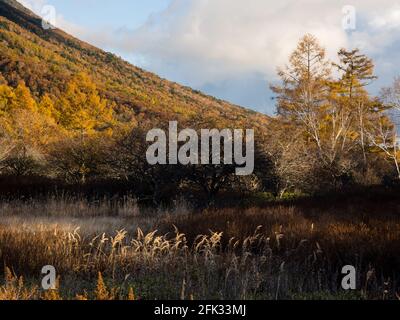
[34, 5]
[221, 38]
[388, 20]
[218, 43]
[203, 41]
[39, 8]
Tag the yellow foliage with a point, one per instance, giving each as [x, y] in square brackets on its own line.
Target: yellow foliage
[24, 98]
[51, 295]
[82, 109]
[131, 294]
[8, 100]
[47, 108]
[31, 126]
[14, 288]
[82, 297]
[101, 291]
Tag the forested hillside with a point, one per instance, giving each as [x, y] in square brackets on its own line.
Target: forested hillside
[48, 61]
[64, 104]
[73, 113]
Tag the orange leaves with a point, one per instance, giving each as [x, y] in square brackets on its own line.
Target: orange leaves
[82, 109]
[24, 98]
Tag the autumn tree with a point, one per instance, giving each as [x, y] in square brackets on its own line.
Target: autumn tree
[306, 99]
[81, 109]
[8, 102]
[47, 107]
[333, 113]
[28, 130]
[303, 96]
[24, 98]
[304, 88]
[357, 72]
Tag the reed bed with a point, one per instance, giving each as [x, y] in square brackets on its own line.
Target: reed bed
[256, 253]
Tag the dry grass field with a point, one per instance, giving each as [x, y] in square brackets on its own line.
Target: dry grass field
[119, 251]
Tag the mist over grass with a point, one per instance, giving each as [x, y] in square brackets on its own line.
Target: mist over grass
[287, 250]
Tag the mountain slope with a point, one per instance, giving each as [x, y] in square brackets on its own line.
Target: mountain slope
[47, 59]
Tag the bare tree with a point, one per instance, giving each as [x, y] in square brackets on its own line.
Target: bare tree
[383, 135]
[6, 144]
[5, 150]
[387, 126]
[286, 148]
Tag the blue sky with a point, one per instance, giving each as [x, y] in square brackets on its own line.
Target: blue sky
[120, 13]
[231, 48]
